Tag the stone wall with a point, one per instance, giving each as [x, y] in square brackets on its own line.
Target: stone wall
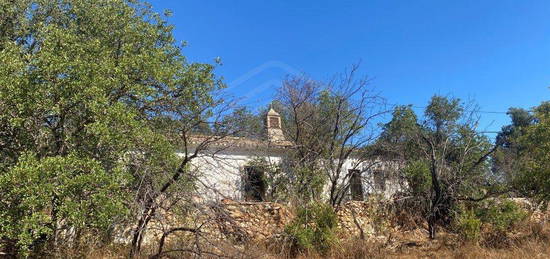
[252, 221]
[241, 223]
[362, 219]
[259, 221]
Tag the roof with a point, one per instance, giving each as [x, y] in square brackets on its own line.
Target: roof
[272, 112]
[238, 142]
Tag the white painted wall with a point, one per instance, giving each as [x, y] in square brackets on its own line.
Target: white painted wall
[220, 173]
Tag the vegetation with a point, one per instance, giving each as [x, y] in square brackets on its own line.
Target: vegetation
[446, 159]
[94, 98]
[101, 116]
[313, 229]
[496, 216]
[329, 122]
[531, 178]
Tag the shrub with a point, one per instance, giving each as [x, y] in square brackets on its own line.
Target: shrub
[501, 215]
[469, 225]
[496, 216]
[314, 228]
[40, 198]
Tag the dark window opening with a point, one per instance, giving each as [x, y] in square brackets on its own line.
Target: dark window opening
[380, 181]
[356, 185]
[254, 184]
[274, 122]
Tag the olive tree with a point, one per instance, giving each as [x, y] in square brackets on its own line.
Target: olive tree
[96, 97]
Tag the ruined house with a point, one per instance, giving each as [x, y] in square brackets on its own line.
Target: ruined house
[226, 171]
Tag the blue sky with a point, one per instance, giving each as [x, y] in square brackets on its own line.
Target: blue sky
[494, 51]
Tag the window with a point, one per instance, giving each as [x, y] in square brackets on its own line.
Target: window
[274, 122]
[356, 185]
[379, 181]
[254, 184]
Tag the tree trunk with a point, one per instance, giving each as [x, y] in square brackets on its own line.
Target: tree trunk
[434, 214]
[432, 227]
[137, 238]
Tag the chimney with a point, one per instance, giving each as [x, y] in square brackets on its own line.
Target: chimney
[274, 126]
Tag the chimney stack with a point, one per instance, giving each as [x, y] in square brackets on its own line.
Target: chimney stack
[274, 126]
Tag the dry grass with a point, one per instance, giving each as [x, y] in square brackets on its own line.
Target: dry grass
[364, 249]
[529, 240]
[532, 249]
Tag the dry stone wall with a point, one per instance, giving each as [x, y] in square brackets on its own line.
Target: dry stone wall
[362, 219]
[259, 221]
[252, 221]
[243, 222]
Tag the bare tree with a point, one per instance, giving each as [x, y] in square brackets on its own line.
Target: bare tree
[330, 123]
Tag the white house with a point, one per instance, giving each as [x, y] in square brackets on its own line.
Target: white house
[225, 172]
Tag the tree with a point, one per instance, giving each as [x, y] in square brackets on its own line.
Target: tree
[329, 123]
[98, 94]
[448, 161]
[533, 168]
[506, 157]
[397, 140]
[245, 123]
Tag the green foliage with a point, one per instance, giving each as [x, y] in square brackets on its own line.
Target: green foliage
[533, 174]
[75, 192]
[469, 225]
[283, 185]
[402, 125]
[314, 228]
[443, 111]
[445, 158]
[398, 138]
[308, 183]
[499, 215]
[243, 123]
[418, 176]
[502, 215]
[89, 89]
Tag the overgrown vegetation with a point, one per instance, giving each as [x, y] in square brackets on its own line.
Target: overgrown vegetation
[101, 116]
[489, 220]
[313, 229]
[95, 96]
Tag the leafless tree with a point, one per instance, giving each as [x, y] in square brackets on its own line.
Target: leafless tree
[330, 123]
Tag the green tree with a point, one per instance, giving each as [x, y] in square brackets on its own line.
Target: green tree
[506, 157]
[92, 90]
[533, 170]
[37, 194]
[397, 139]
[313, 229]
[445, 159]
[245, 123]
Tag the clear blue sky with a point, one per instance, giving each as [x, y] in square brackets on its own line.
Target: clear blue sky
[494, 51]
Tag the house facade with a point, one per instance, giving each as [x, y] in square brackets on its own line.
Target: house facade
[225, 170]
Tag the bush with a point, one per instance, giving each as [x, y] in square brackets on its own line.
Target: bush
[469, 225]
[314, 228]
[496, 217]
[40, 198]
[501, 215]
